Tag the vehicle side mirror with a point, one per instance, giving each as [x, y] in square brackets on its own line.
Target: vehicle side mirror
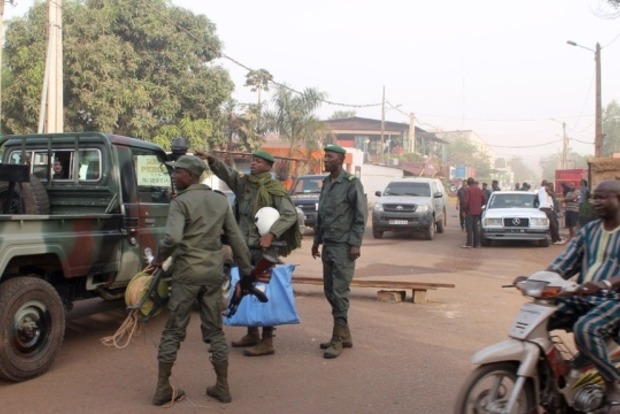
[438, 194]
[378, 193]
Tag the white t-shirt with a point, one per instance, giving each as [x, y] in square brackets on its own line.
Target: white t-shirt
[544, 199]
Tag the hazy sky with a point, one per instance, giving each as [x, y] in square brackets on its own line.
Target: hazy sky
[501, 68]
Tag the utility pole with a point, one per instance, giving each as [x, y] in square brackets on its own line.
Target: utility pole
[52, 103]
[598, 129]
[382, 125]
[564, 147]
[411, 148]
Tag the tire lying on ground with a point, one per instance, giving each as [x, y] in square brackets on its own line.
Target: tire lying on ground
[26, 198]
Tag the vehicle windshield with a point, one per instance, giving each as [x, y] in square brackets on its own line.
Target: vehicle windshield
[408, 189]
[308, 185]
[525, 200]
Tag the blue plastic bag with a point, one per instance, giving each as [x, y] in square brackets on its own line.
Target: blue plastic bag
[279, 310]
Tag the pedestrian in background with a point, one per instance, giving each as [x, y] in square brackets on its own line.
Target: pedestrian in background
[545, 204]
[495, 186]
[340, 229]
[486, 192]
[460, 203]
[474, 200]
[572, 200]
[197, 218]
[252, 192]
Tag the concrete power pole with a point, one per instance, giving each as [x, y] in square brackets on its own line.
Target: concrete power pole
[598, 125]
[411, 148]
[381, 151]
[52, 103]
[564, 147]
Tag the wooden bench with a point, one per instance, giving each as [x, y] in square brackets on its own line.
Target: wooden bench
[418, 289]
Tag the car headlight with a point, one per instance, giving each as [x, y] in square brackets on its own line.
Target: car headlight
[539, 221]
[378, 207]
[422, 208]
[492, 222]
[316, 206]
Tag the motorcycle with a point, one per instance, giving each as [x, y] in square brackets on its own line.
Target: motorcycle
[534, 369]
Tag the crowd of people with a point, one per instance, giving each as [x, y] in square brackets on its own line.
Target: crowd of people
[201, 223]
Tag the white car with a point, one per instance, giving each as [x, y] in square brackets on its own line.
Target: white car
[513, 215]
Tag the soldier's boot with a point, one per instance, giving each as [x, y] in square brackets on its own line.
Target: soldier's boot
[265, 347]
[336, 346]
[347, 341]
[220, 390]
[250, 339]
[165, 393]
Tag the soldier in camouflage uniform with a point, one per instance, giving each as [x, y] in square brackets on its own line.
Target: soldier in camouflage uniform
[340, 229]
[196, 220]
[253, 192]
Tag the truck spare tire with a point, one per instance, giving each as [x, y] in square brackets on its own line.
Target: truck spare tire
[26, 198]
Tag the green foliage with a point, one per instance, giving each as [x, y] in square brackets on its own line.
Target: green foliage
[342, 114]
[461, 151]
[139, 71]
[522, 173]
[551, 163]
[293, 117]
[611, 129]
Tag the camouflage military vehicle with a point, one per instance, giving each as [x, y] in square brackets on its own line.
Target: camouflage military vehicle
[70, 233]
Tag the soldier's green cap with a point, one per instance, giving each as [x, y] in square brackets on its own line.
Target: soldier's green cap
[264, 155]
[190, 163]
[335, 148]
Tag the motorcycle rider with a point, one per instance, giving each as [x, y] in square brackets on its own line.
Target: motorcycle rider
[594, 314]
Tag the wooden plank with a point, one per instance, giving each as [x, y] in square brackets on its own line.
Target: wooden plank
[379, 283]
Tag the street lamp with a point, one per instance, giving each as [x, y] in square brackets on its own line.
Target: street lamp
[598, 129]
[564, 162]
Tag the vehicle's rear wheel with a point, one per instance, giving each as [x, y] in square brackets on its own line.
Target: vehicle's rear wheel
[377, 234]
[26, 198]
[32, 327]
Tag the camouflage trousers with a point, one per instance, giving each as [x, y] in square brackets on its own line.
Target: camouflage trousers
[182, 301]
[338, 270]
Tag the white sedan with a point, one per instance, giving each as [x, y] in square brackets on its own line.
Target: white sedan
[513, 215]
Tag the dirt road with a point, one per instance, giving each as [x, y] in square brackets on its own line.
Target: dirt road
[407, 358]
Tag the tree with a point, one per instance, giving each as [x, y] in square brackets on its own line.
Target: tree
[461, 151]
[611, 129]
[342, 114]
[241, 129]
[293, 117]
[551, 162]
[522, 173]
[258, 80]
[137, 71]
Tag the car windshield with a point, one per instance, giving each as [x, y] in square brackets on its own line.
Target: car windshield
[525, 200]
[308, 185]
[408, 189]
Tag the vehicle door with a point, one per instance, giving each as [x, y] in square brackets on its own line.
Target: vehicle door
[437, 202]
[147, 190]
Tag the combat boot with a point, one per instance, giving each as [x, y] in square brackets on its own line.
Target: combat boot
[265, 347]
[250, 339]
[347, 341]
[336, 345]
[220, 390]
[165, 394]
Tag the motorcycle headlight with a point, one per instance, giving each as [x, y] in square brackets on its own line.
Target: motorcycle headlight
[422, 208]
[378, 207]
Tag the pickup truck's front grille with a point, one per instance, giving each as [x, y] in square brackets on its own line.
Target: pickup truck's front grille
[399, 208]
[307, 208]
[516, 222]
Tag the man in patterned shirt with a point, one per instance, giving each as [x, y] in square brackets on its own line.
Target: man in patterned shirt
[594, 315]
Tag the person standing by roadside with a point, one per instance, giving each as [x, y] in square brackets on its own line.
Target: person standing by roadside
[197, 218]
[460, 199]
[545, 204]
[253, 192]
[474, 200]
[486, 192]
[495, 186]
[340, 229]
[572, 199]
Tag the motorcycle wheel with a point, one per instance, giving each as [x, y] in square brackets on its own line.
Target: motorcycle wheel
[488, 388]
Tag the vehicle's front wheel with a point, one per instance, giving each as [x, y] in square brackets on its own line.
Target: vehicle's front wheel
[429, 233]
[544, 243]
[484, 242]
[32, 327]
[488, 389]
[377, 234]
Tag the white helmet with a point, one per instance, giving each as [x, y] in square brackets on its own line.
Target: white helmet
[264, 218]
